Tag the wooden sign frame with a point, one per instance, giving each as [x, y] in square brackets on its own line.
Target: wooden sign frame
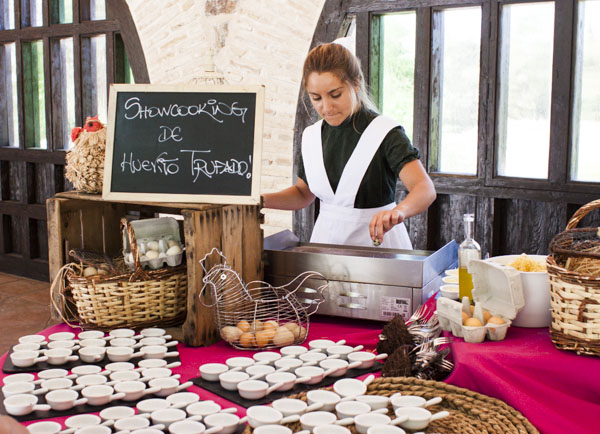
[252, 199]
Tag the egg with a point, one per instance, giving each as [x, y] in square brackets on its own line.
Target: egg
[302, 333]
[102, 271]
[473, 322]
[231, 334]
[256, 326]
[243, 325]
[175, 250]
[283, 336]
[486, 316]
[172, 243]
[496, 320]
[247, 340]
[152, 245]
[270, 325]
[465, 316]
[293, 327]
[263, 338]
[90, 271]
[152, 254]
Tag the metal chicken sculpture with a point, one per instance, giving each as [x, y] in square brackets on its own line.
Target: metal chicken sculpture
[258, 315]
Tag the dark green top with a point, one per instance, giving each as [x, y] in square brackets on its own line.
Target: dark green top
[378, 186]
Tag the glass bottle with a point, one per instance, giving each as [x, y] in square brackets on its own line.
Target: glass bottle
[468, 249]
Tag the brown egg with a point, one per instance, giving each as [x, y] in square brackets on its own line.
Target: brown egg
[231, 334]
[473, 322]
[263, 338]
[256, 326]
[291, 326]
[243, 325]
[273, 325]
[496, 320]
[465, 316]
[486, 316]
[283, 337]
[247, 340]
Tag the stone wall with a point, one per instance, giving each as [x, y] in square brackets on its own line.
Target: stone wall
[236, 42]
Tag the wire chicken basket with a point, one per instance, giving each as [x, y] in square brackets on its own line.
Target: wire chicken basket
[258, 315]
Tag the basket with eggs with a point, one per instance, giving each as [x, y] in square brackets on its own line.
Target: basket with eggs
[498, 297]
[267, 334]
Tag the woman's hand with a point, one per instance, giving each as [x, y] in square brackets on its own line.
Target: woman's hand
[382, 222]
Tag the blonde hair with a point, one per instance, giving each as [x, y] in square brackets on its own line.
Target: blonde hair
[339, 61]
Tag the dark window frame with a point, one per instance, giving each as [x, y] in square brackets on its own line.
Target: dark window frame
[489, 188]
[28, 176]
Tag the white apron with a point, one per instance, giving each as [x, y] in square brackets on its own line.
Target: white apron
[339, 222]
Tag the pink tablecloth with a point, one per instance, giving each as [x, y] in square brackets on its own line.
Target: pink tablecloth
[558, 391]
[354, 332]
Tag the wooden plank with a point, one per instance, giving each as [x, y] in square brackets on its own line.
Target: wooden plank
[14, 264]
[33, 156]
[421, 102]
[200, 328]
[252, 244]
[560, 113]
[55, 247]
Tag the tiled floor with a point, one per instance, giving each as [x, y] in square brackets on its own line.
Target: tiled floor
[24, 308]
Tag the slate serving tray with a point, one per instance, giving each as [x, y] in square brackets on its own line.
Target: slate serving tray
[233, 395]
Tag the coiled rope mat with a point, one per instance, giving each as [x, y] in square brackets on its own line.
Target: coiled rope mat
[470, 412]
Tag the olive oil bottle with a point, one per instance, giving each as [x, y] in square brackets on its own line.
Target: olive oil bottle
[469, 249]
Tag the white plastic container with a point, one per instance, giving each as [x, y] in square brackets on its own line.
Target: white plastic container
[498, 289]
[161, 230]
[536, 292]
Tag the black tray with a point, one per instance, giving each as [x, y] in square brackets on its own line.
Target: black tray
[234, 396]
[9, 368]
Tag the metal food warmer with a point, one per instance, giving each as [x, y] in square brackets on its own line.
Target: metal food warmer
[364, 282]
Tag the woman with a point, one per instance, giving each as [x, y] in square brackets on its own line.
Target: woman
[351, 160]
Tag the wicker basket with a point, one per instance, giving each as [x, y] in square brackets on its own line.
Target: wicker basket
[574, 297]
[470, 412]
[131, 299]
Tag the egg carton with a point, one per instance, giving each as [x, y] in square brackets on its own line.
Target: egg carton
[497, 289]
[160, 235]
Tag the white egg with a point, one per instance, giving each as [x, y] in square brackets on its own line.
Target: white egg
[152, 254]
[175, 250]
[172, 243]
[90, 271]
[152, 245]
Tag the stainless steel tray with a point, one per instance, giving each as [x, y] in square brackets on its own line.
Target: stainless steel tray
[365, 282]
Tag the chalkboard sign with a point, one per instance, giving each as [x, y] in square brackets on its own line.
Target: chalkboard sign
[184, 144]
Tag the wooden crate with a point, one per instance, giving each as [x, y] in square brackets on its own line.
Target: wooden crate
[77, 220]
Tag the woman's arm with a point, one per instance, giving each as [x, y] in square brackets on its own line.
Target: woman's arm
[421, 194]
[296, 197]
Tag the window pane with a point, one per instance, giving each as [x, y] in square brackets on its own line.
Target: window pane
[9, 119]
[31, 13]
[61, 12]
[34, 101]
[525, 71]
[63, 92]
[7, 11]
[123, 71]
[585, 152]
[397, 52]
[97, 10]
[455, 89]
[93, 65]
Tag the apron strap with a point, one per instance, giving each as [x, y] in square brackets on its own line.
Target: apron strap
[361, 158]
[314, 167]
